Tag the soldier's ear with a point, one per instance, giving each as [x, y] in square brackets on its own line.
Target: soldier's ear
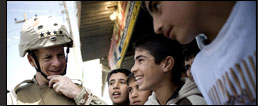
[31, 60]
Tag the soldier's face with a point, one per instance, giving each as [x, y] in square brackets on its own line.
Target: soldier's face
[118, 88]
[52, 60]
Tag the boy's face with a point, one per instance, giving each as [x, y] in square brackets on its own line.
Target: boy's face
[118, 88]
[188, 64]
[136, 96]
[174, 19]
[146, 72]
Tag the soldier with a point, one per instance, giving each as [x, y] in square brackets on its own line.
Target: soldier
[44, 39]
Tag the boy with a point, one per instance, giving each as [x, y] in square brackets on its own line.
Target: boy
[224, 69]
[136, 96]
[117, 86]
[159, 63]
[190, 51]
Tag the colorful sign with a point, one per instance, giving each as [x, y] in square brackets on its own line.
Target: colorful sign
[122, 32]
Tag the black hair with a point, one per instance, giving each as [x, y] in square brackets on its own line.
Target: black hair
[130, 77]
[143, 6]
[190, 50]
[160, 48]
[124, 71]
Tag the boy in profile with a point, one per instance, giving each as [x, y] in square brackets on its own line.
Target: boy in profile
[159, 63]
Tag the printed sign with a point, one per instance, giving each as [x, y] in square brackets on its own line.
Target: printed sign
[122, 32]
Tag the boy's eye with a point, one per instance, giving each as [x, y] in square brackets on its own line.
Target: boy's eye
[137, 86]
[130, 89]
[154, 6]
[122, 82]
[140, 60]
[111, 83]
[187, 67]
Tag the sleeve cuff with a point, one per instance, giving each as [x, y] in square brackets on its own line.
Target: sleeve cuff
[81, 99]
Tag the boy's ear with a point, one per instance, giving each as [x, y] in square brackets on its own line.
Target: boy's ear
[168, 63]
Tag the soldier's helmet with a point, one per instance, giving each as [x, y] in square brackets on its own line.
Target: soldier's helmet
[43, 31]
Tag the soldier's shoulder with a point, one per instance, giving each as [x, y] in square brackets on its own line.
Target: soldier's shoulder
[23, 85]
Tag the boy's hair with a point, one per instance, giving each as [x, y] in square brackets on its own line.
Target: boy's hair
[190, 50]
[143, 6]
[160, 48]
[124, 71]
[130, 77]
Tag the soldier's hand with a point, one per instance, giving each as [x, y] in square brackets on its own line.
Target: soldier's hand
[63, 85]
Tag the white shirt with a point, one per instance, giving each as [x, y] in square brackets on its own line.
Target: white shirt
[214, 68]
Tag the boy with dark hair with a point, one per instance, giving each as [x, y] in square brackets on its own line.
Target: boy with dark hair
[225, 68]
[136, 96]
[117, 86]
[190, 51]
[159, 63]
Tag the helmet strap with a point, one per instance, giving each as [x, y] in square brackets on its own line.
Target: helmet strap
[66, 59]
[38, 66]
